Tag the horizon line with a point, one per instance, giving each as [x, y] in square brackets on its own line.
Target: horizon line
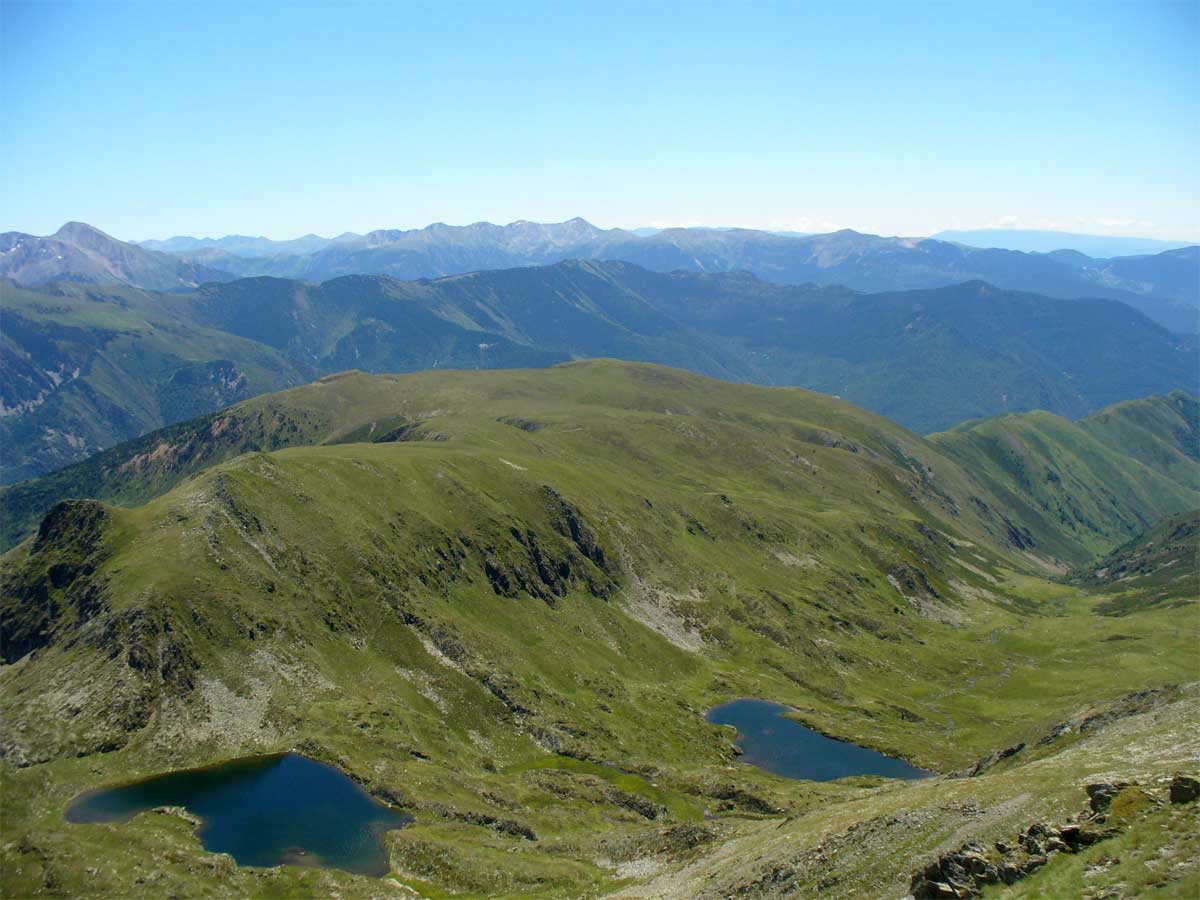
[781, 229]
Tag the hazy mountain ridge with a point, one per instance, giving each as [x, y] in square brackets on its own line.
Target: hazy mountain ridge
[733, 326]
[243, 245]
[926, 358]
[1097, 246]
[79, 252]
[859, 261]
[1163, 286]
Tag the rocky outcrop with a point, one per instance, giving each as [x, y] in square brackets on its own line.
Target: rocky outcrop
[966, 871]
[483, 820]
[1101, 794]
[544, 565]
[1129, 705]
[569, 522]
[991, 760]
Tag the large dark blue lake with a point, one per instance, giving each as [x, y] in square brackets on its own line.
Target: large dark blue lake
[777, 744]
[264, 811]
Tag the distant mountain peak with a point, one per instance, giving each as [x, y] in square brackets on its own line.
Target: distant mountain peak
[73, 231]
[81, 252]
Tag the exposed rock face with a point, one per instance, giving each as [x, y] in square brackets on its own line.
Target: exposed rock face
[545, 566]
[180, 813]
[57, 594]
[569, 522]
[57, 585]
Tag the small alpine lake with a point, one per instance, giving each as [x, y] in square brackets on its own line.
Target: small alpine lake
[780, 745]
[264, 811]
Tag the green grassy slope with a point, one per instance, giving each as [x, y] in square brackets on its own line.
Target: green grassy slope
[520, 614]
[1163, 432]
[1159, 566]
[137, 470]
[86, 368]
[1057, 474]
[359, 407]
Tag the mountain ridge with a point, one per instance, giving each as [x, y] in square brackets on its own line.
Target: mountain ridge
[927, 358]
[356, 406]
[81, 252]
[1165, 289]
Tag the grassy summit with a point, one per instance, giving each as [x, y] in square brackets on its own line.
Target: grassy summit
[354, 407]
[504, 602]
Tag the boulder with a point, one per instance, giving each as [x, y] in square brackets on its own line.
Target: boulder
[1089, 836]
[978, 866]
[1101, 793]
[957, 874]
[1032, 864]
[1184, 789]
[1010, 873]
[939, 890]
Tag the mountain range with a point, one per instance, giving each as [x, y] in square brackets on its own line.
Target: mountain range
[1025, 240]
[1100, 246]
[87, 366]
[1164, 286]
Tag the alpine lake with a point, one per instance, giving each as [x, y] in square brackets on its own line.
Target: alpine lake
[264, 811]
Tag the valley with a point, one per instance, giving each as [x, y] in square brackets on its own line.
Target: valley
[504, 602]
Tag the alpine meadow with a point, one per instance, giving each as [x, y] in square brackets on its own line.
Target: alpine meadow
[781, 479]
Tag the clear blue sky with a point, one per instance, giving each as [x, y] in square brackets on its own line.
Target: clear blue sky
[153, 119]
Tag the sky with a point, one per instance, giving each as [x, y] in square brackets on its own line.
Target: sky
[152, 119]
